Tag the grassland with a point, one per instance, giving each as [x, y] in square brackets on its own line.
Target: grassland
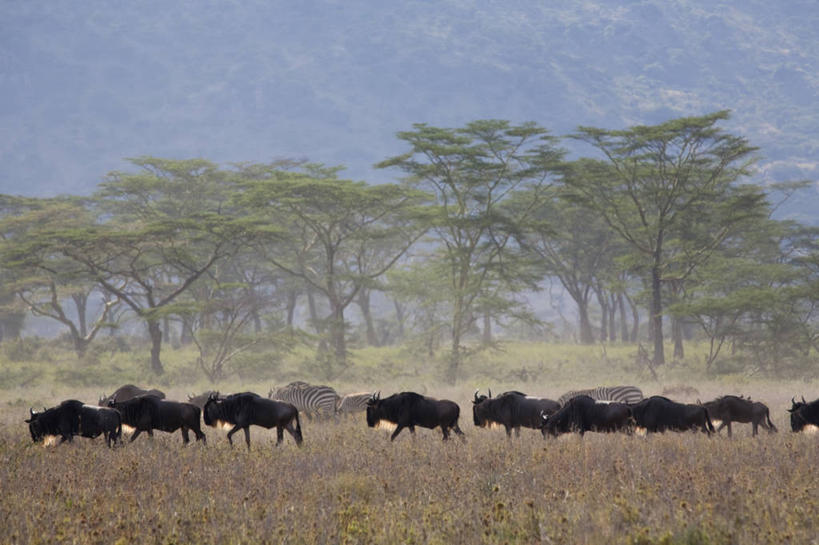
[349, 484]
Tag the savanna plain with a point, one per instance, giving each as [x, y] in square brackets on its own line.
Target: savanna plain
[350, 484]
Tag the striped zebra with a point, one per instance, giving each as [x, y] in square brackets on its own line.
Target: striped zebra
[309, 399]
[621, 394]
[353, 403]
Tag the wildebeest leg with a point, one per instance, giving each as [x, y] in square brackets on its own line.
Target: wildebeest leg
[279, 434]
[457, 430]
[185, 437]
[445, 430]
[247, 436]
[517, 431]
[722, 425]
[398, 429]
[201, 435]
[136, 434]
[730, 431]
[508, 430]
[231, 432]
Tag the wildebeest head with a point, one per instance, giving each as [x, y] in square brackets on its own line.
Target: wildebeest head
[34, 426]
[374, 409]
[479, 407]
[799, 410]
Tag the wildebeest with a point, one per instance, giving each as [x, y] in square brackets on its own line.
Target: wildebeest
[582, 414]
[353, 403]
[129, 391]
[730, 408]
[246, 409]
[512, 410]
[804, 414]
[658, 414]
[310, 399]
[148, 413]
[73, 417]
[408, 409]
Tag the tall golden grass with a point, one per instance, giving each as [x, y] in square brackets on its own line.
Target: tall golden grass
[350, 484]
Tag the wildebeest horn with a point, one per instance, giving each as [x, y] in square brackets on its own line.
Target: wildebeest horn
[490, 393]
[31, 411]
[803, 400]
[476, 396]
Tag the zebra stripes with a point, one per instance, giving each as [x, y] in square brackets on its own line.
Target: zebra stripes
[353, 403]
[621, 394]
[307, 398]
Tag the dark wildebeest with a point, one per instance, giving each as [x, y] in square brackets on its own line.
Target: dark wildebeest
[240, 411]
[512, 410]
[658, 414]
[129, 391]
[148, 413]
[408, 409]
[804, 415]
[729, 408]
[72, 417]
[582, 414]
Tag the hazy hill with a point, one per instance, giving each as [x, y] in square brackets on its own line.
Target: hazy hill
[83, 85]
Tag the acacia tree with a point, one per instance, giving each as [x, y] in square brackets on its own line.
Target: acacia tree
[573, 246]
[330, 233]
[161, 229]
[42, 276]
[471, 171]
[657, 176]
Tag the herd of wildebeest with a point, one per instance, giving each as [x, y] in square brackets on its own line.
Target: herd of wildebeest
[603, 409]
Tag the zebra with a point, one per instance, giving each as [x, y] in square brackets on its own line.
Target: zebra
[353, 403]
[307, 398]
[621, 394]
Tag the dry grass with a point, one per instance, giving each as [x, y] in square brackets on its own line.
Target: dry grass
[349, 484]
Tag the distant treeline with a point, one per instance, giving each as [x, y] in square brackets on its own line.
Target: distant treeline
[664, 222]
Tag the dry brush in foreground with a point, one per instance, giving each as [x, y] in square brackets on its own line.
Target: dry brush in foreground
[349, 484]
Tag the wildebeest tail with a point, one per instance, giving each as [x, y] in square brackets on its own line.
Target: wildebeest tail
[768, 418]
[708, 424]
[299, 437]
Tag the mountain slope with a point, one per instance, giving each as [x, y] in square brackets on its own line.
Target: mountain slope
[85, 85]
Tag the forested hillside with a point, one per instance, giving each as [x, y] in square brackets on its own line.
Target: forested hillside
[86, 85]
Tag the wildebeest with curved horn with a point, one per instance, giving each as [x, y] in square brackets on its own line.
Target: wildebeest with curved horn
[73, 417]
[148, 413]
[658, 414]
[246, 409]
[731, 408]
[512, 410]
[582, 413]
[409, 409]
[804, 414]
[129, 391]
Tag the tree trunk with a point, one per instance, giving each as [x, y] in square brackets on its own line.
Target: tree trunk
[621, 305]
[315, 321]
[612, 318]
[586, 333]
[487, 328]
[292, 297]
[657, 314]
[677, 333]
[604, 315]
[155, 331]
[81, 302]
[363, 302]
[399, 316]
[337, 335]
[455, 350]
